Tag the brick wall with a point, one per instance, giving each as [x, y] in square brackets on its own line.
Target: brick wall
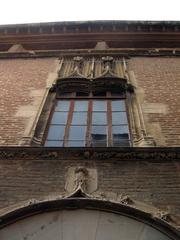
[153, 182]
[22, 84]
[158, 84]
[157, 79]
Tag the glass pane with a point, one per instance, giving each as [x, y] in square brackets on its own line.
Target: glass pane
[99, 136]
[99, 118]
[122, 129]
[118, 105]
[77, 133]
[99, 105]
[99, 130]
[119, 118]
[76, 143]
[53, 143]
[121, 143]
[79, 118]
[56, 133]
[59, 118]
[120, 136]
[81, 106]
[62, 105]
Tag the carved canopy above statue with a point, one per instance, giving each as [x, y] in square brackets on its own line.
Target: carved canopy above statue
[107, 80]
[74, 84]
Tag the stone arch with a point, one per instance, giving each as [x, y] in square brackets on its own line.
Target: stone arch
[78, 201]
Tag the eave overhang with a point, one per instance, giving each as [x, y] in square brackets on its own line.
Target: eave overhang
[85, 35]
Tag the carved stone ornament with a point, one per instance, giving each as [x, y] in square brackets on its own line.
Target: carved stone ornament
[96, 201]
[117, 154]
[107, 81]
[163, 215]
[78, 62]
[81, 178]
[108, 62]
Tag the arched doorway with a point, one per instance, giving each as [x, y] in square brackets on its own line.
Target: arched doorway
[80, 224]
[81, 219]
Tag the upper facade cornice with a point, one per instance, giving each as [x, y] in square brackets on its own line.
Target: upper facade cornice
[85, 35]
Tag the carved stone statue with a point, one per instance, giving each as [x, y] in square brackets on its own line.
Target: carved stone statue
[81, 178]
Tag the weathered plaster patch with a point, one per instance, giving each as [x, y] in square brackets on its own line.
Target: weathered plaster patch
[37, 93]
[155, 108]
[154, 129]
[27, 111]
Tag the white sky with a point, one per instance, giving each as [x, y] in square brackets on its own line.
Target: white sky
[31, 11]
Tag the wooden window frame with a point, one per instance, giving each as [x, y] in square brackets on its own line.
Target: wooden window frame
[72, 98]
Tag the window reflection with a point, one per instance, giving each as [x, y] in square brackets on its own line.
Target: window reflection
[54, 143]
[99, 136]
[77, 133]
[99, 118]
[99, 105]
[62, 106]
[92, 122]
[120, 136]
[118, 105]
[79, 118]
[56, 133]
[119, 118]
[76, 143]
[81, 106]
[59, 118]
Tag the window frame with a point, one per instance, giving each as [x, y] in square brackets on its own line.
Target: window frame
[90, 97]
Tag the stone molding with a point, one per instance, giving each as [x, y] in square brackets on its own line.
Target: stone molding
[71, 35]
[107, 154]
[80, 200]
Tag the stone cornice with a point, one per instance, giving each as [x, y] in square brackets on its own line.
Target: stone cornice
[90, 26]
[79, 35]
[116, 154]
[127, 53]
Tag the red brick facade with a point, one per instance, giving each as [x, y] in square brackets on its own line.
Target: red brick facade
[20, 80]
[159, 79]
[144, 176]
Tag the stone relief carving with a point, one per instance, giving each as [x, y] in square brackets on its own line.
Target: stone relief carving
[92, 67]
[81, 178]
[117, 154]
[78, 63]
[108, 62]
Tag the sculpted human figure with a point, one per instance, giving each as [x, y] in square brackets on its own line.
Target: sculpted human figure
[81, 178]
